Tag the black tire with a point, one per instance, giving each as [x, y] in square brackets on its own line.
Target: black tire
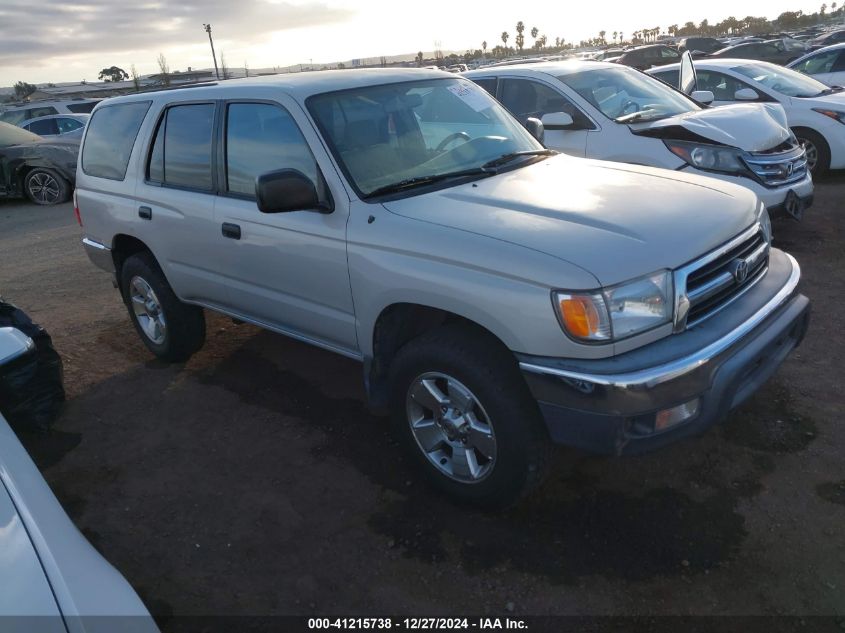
[184, 332]
[806, 135]
[46, 187]
[485, 367]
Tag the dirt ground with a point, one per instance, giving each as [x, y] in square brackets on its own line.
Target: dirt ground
[252, 480]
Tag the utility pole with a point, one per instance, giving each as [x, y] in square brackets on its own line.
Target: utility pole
[207, 28]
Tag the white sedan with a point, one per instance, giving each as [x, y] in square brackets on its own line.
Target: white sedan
[826, 64]
[815, 112]
[613, 112]
[51, 577]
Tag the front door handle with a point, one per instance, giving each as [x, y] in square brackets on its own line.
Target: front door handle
[145, 213]
[232, 231]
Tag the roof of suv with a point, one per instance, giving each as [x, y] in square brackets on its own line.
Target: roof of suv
[299, 85]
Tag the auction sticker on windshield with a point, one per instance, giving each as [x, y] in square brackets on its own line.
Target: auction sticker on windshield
[473, 97]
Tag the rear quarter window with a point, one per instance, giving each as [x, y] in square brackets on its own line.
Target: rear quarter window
[81, 108]
[111, 135]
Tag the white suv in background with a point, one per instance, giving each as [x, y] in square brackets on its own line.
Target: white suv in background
[613, 112]
[20, 112]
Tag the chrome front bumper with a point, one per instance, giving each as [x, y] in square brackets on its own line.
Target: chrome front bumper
[608, 405]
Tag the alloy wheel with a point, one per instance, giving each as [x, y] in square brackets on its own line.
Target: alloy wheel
[147, 310]
[44, 188]
[451, 427]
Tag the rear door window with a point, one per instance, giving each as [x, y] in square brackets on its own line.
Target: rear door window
[527, 98]
[181, 152]
[46, 127]
[110, 138]
[34, 113]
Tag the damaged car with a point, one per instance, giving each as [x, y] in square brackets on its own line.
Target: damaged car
[41, 169]
[611, 112]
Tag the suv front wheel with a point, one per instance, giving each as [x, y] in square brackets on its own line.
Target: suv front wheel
[170, 329]
[463, 412]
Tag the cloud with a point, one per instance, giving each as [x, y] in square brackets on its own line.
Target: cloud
[39, 33]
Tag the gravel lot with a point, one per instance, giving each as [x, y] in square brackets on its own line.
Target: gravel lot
[252, 480]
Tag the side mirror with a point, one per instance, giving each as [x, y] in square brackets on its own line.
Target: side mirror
[286, 190]
[557, 121]
[535, 128]
[746, 94]
[703, 96]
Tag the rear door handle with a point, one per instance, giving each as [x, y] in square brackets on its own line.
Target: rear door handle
[145, 213]
[232, 231]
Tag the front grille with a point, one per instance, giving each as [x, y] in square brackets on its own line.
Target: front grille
[785, 164]
[717, 279]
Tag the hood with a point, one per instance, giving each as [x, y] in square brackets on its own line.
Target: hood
[615, 220]
[834, 101]
[753, 127]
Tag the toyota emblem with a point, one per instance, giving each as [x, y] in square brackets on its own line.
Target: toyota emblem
[739, 269]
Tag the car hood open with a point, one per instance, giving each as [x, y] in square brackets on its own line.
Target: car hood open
[615, 220]
[753, 127]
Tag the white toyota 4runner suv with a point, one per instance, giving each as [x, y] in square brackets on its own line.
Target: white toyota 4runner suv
[500, 297]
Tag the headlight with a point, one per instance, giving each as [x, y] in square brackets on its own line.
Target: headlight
[765, 222]
[836, 115]
[619, 311]
[709, 157]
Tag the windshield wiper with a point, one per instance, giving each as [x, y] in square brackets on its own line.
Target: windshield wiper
[419, 181]
[830, 91]
[506, 158]
[487, 169]
[640, 115]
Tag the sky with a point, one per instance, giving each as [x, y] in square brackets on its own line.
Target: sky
[71, 40]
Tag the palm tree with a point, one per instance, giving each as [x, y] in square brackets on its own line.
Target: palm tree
[505, 37]
[484, 47]
[615, 35]
[621, 37]
[601, 35]
[824, 8]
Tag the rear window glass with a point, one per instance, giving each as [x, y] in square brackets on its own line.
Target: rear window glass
[111, 135]
[181, 151]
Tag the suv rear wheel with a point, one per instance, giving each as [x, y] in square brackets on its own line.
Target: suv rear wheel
[463, 412]
[170, 329]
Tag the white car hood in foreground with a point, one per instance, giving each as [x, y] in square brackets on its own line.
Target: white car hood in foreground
[615, 220]
[752, 127]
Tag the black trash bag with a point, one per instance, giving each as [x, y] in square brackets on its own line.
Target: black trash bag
[31, 389]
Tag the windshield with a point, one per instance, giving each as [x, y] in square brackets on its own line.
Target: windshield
[626, 95]
[782, 80]
[387, 134]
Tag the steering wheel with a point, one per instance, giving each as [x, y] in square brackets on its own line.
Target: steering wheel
[452, 137]
[629, 107]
